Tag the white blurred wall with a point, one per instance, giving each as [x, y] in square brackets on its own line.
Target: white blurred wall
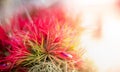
[101, 18]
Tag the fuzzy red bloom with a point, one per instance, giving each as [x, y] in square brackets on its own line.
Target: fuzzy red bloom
[50, 24]
[48, 29]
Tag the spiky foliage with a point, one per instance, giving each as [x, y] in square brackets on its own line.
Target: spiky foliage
[45, 39]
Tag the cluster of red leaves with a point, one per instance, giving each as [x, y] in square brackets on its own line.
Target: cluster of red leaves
[50, 24]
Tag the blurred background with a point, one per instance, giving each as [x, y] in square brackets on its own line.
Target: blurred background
[9, 7]
[100, 18]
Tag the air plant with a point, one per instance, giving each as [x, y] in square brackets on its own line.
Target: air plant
[44, 40]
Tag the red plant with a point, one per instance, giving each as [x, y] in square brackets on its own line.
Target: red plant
[49, 28]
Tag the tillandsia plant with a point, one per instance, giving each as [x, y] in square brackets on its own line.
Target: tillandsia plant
[44, 40]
